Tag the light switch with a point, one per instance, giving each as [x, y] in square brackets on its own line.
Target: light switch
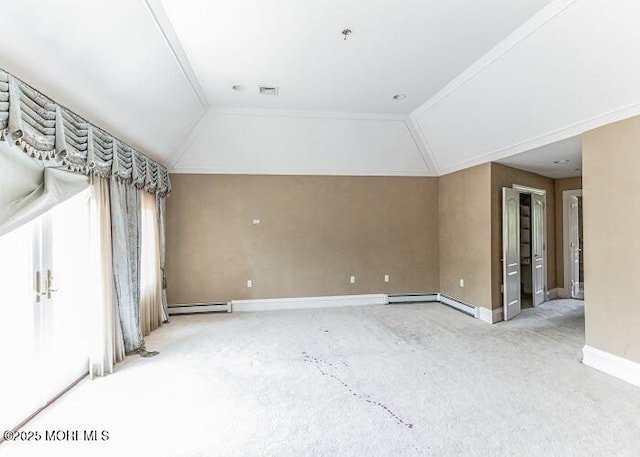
[249, 284]
[386, 278]
[353, 279]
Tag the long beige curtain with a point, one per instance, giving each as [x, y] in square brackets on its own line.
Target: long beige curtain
[107, 344]
[151, 310]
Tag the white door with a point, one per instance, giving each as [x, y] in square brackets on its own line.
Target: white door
[538, 248]
[20, 379]
[511, 252]
[45, 279]
[68, 280]
[574, 246]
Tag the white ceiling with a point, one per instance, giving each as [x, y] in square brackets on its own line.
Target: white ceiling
[541, 160]
[484, 80]
[405, 46]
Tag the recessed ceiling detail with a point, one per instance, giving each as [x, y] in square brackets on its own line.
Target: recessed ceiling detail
[486, 80]
[418, 45]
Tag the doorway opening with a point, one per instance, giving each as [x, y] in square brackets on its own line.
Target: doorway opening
[524, 248]
[526, 276]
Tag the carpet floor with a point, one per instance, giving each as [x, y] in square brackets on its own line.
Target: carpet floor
[402, 380]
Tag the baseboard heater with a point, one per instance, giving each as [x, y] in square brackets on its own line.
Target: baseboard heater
[199, 308]
[404, 299]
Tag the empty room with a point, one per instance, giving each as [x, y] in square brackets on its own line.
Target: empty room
[341, 228]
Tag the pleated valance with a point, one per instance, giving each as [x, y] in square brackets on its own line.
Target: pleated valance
[47, 131]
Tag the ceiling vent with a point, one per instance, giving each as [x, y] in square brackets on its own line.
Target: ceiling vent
[266, 90]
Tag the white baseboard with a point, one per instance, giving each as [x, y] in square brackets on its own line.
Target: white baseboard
[552, 294]
[611, 364]
[490, 316]
[273, 304]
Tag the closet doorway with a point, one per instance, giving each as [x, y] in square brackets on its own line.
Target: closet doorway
[524, 262]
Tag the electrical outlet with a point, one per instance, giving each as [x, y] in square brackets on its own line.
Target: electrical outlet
[462, 283]
[386, 278]
[249, 284]
[255, 221]
[353, 279]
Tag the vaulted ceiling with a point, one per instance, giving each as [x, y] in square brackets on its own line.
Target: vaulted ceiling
[483, 80]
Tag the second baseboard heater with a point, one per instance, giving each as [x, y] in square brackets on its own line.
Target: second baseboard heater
[399, 299]
[198, 308]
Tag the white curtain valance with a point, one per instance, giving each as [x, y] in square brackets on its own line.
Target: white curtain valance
[48, 131]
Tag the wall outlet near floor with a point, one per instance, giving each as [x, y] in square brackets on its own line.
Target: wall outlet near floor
[386, 278]
[255, 221]
[353, 279]
[249, 284]
[462, 283]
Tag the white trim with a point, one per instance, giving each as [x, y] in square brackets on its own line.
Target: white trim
[490, 316]
[553, 293]
[545, 15]
[164, 24]
[613, 365]
[300, 172]
[422, 144]
[273, 304]
[529, 190]
[534, 190]
[566, 241]
[193, 133]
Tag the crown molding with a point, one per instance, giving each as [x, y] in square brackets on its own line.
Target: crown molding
[422, 145]
[193, 133]
[300, 172]
[543, 16]
[166, 29]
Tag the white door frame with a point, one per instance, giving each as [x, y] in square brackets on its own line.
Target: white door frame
[566, 240]
[533, 190]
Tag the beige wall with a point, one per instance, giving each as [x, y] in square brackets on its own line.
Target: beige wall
[611, 202]
[465, 235]
[561, 185]
[315, 232]
[503, 176]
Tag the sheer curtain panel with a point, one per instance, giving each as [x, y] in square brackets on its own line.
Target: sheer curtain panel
[162, 215]
[107, 344]
[151, 310]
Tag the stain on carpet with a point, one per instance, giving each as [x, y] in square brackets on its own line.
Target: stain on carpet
[322, 365]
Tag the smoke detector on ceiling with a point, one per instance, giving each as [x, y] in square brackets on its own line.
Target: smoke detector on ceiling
[268, 90]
